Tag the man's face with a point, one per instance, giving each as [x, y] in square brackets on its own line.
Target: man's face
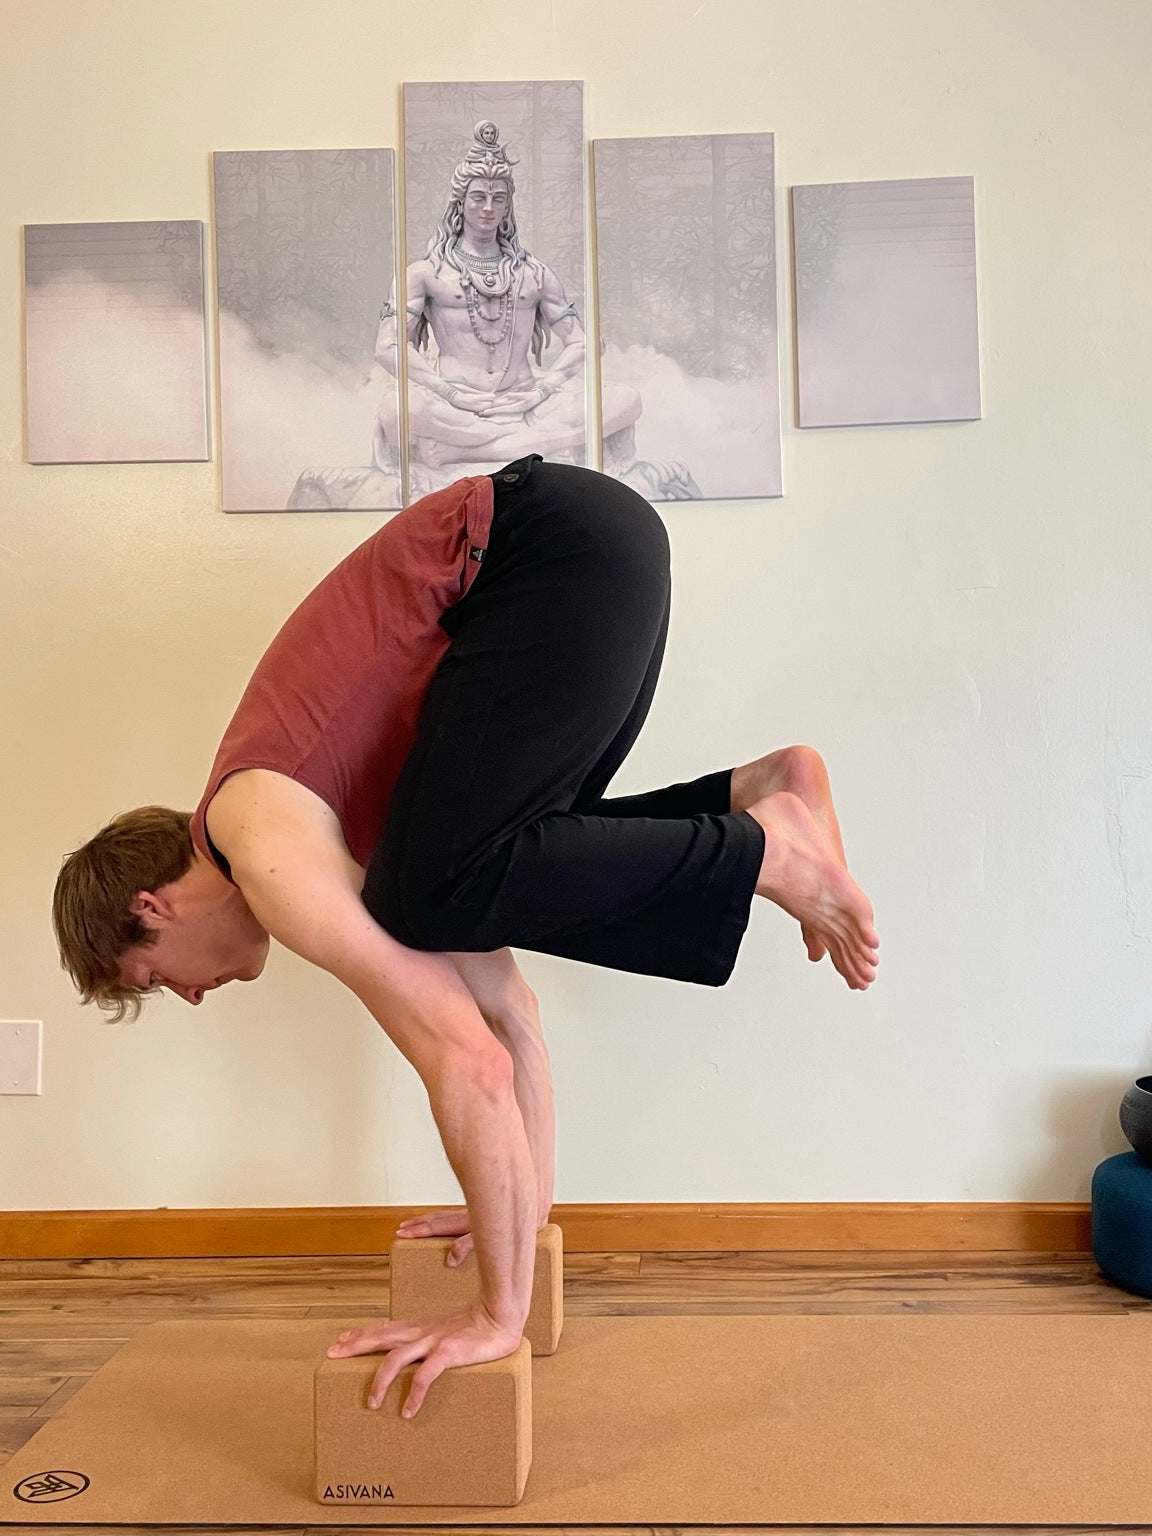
[194, 955]
[485, 204]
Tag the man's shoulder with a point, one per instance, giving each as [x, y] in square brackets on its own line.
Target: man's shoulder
[258, 815]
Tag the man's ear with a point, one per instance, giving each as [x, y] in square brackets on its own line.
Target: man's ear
[150, 908]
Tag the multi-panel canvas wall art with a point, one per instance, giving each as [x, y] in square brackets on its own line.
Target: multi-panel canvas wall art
[685, 238]
[494, 302]
[115, 342]
[305, 259]
[886, 327]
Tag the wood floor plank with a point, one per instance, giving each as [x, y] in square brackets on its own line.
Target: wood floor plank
[748, 1306]
[110, 1322]
[184, 1271]
[202, 1293]
[57, 1356]
[75, 1316]
[817, 1306]
[271, 1266]
[580, 1266]
[1039, 1265]
[14, 1431]
[1060, 1284]
[336, 1313]
[277, 1287]
[27, 1390]
[67, 1388]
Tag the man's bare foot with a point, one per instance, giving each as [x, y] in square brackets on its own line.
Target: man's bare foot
[802, 874]
[797, 771]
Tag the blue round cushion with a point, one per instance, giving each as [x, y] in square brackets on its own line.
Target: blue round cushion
[1122, 1221]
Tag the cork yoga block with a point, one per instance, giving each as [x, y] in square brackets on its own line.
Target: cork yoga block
[470, 1443]
[423, 1284]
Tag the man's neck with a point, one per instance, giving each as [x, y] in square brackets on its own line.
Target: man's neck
[205, 883]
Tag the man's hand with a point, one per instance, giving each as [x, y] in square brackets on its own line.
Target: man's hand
[449, 1339]
[456, 1224]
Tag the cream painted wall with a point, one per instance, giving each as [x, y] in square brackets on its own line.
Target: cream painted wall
[958, 616]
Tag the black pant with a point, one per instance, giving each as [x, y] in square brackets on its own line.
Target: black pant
[498, 832]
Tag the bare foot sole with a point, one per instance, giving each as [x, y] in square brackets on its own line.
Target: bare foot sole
[802, 873]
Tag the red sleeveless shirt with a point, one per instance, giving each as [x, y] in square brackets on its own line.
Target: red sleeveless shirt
[335, 700]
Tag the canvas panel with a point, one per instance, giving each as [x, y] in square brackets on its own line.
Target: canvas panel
[305, 258]
[886, 326]
[686, 266]
[116, 362]
[479, 356]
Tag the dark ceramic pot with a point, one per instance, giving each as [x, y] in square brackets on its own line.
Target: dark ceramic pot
[1136, 1117]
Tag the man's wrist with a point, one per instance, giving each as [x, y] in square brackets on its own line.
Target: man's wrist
[509, 1315]
[506, 1307]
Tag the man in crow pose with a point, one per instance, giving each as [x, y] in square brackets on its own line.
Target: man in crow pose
[413, 783]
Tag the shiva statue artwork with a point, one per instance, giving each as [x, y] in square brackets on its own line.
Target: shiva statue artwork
[485, 396]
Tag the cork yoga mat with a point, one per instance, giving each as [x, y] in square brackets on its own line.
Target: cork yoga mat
[843, 1420]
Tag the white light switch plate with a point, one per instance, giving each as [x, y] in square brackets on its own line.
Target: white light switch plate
[20, 1055]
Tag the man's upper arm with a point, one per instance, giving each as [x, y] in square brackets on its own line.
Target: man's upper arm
[287, 854]
[304, 894]
[303, 887]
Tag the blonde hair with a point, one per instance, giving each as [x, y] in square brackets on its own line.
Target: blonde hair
[140, 850]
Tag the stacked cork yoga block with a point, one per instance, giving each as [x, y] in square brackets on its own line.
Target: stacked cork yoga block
[471, 1442]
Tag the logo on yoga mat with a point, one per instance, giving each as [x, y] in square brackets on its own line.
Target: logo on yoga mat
[50, 1487]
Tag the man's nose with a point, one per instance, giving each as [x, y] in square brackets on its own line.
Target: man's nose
[193, 995]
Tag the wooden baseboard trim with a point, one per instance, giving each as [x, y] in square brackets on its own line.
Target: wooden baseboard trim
[667, 1228]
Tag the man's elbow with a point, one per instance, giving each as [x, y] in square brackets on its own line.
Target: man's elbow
[485, 1068]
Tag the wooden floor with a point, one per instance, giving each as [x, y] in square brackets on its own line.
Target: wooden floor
[61, 1319]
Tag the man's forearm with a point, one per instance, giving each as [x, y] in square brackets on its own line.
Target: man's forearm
[301, 883]
[533, 1084]
[484, 1138]
[471, 1093]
